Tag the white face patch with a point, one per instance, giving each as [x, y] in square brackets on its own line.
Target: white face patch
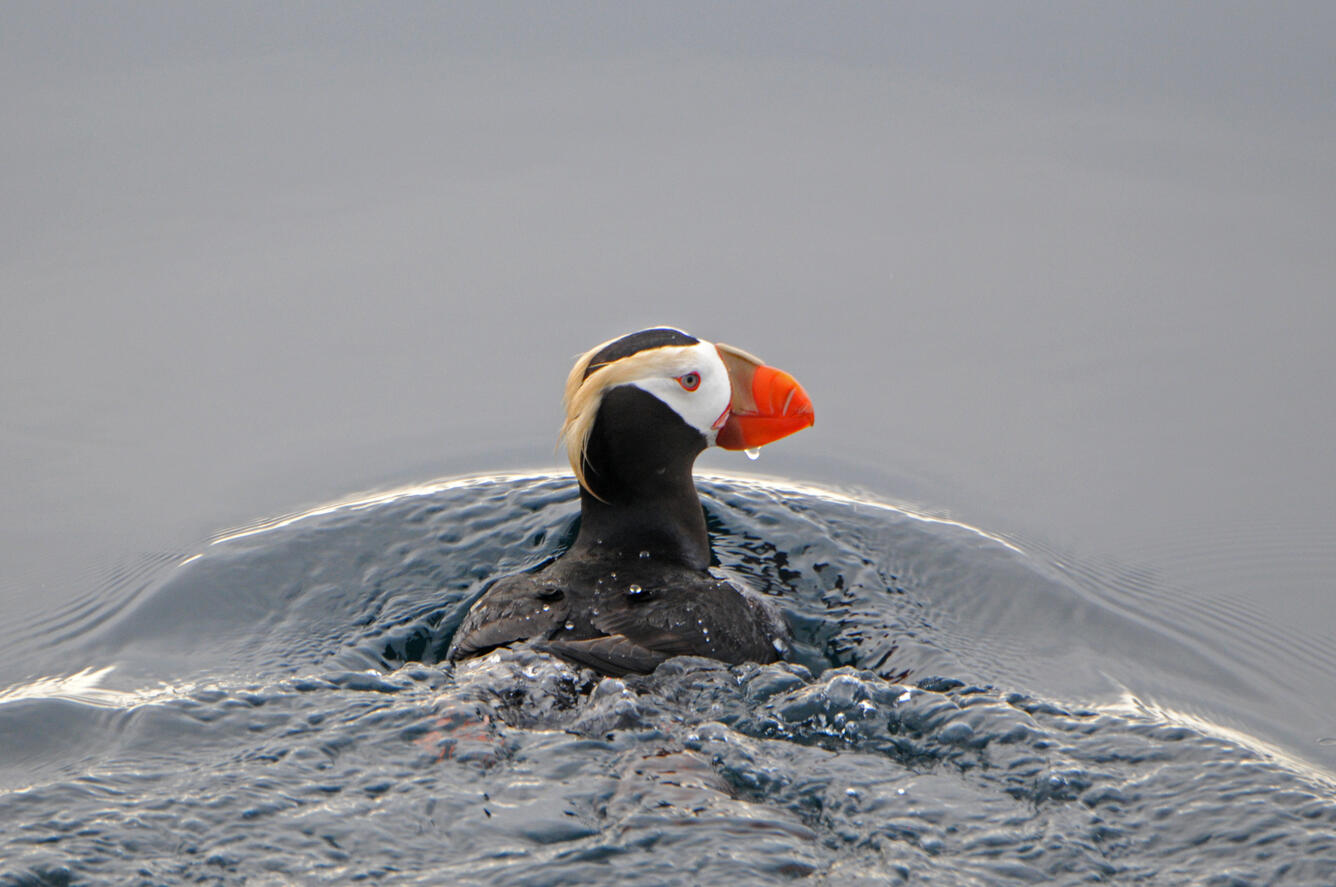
[665, 373]
[701, 408]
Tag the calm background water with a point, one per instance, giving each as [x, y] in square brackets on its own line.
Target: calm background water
[1062, 272]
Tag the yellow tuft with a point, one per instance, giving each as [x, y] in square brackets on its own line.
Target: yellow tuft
[584, 395]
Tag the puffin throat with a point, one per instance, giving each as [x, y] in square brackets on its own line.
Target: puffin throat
[641, 496]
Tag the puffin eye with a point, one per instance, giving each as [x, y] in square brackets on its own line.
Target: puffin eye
[690, 381]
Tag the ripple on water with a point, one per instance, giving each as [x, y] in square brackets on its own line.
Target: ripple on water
[278, 708]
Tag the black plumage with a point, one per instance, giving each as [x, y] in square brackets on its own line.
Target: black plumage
[635, 586]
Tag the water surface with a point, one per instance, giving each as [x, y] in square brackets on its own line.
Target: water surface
[276, 705]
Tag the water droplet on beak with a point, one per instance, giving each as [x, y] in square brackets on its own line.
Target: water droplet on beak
[753, 454]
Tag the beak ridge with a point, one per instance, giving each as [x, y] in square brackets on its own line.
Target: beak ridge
[768, 403]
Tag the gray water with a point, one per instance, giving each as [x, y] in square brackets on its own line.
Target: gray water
[1057, 273]
[278, 709]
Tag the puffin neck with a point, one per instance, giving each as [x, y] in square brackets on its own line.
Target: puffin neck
[639, 461]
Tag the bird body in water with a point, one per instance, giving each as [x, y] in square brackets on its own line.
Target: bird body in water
[635, 587]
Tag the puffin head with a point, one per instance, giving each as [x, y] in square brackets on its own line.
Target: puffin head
[729, 398]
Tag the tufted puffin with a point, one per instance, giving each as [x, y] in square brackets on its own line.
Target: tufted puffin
[635, 588]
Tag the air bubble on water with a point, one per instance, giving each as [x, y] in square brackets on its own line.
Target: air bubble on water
[570, 626]
[753, 453]
[634, 589]
[546, 607]
[644, 555]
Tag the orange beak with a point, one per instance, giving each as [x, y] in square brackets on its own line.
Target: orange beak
[767, 403]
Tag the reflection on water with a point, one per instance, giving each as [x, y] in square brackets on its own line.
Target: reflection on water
[277, 705]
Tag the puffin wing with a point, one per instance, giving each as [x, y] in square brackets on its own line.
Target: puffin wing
[709, 619]
[514, 609]
[611, 654]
